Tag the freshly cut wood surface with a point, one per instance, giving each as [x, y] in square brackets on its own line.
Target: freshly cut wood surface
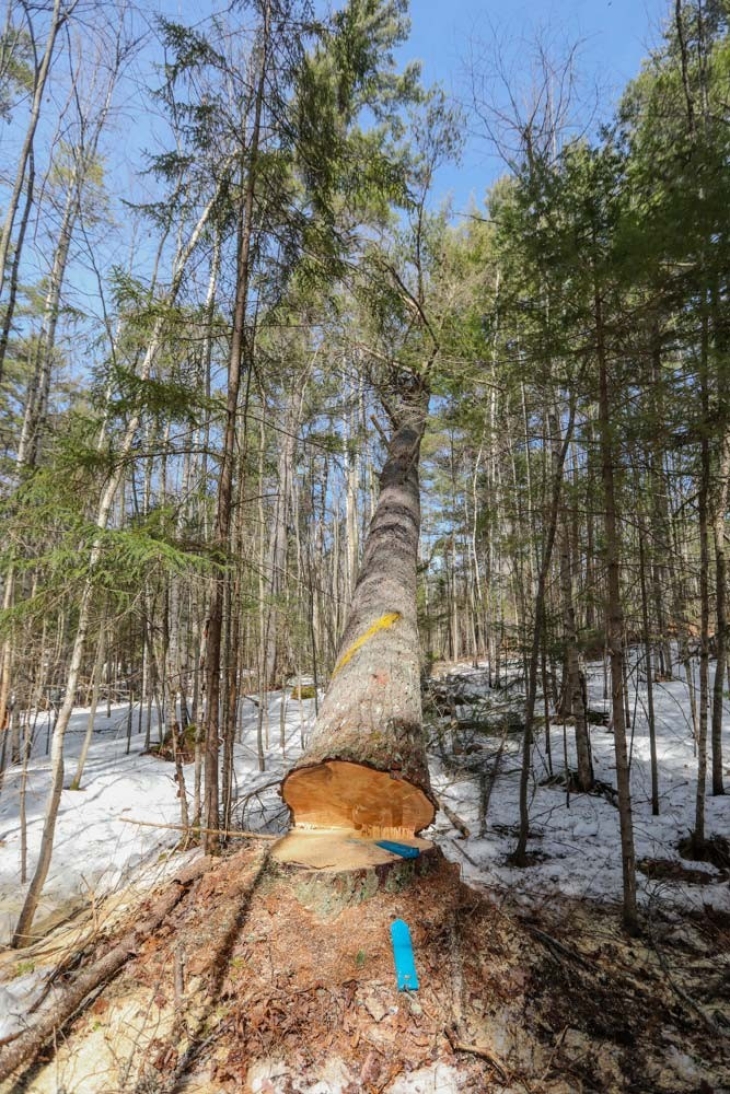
[338, 794]
[336, 849]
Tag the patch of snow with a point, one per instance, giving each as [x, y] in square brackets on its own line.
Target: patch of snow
[439, 1079]
[275, 1076]
[683, 1065]
[98, 849]
[576, 837]
[16, 998]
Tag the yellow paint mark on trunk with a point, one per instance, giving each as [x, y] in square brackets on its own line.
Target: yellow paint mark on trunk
[384, 623]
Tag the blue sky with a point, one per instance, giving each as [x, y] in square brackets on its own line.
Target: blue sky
[449, 35]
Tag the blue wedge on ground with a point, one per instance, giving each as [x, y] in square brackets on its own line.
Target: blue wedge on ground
[405, 966]
[402, 849]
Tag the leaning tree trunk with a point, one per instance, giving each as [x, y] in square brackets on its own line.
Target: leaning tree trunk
[366, 768]
[58, 17]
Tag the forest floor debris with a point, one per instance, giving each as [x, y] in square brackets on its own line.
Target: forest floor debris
[251, 985]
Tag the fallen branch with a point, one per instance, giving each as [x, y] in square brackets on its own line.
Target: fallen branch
[556, 1050]
[242, 802]
[196, 830]
[714, 1027]
[27, 1045]
[455, 819]
[461, 851]
[558, 948]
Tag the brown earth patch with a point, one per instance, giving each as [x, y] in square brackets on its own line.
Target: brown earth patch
[177, 744]
[259, 981]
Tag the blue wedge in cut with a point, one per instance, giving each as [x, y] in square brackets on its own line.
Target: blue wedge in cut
[405, 966]
[402, 849]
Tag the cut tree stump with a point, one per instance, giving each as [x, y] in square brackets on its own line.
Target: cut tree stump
[337, 849]
[330, 870]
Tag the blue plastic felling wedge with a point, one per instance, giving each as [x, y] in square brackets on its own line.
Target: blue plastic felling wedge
[405, 966]
[402, 849]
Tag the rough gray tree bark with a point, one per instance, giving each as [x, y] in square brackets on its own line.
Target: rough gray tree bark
[366, 767]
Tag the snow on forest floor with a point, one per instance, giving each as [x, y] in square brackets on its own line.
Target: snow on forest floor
[575, 838]
[97, 849]
[575, 842]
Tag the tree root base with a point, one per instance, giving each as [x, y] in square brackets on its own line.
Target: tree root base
[331, 870]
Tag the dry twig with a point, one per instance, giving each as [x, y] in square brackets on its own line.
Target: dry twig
[455, 819]
[559, 948]
[482, 1053]
[196, 830]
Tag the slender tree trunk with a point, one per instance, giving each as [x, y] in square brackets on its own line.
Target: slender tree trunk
[225, 486]
[661, 561]
[649, 674]
[278, 541]
[25, 921]
[615, 623]
[28, 736]
[36, 401]
[591, 591]
[9, 309]
[41, 76]
[519, 855]
[698, 834]
[721, 636]
[40, 383]
[574, 685]
[96, 686]
[352, 492]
